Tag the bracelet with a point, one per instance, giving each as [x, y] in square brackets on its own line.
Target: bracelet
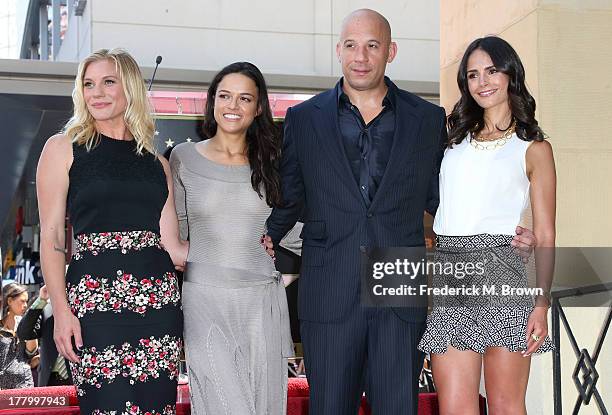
[546, 295]
[39, 304]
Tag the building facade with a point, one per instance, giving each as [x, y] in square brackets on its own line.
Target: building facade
[562, 44]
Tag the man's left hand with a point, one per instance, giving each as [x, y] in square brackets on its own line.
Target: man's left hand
[524, 241]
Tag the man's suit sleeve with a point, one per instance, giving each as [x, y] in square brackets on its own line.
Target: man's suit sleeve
[433, 197]
[30, 326]
[284, 218]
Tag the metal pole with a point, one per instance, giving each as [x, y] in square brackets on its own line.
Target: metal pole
[558, 410]
[34, 52]
[56, 22]
[43, 30]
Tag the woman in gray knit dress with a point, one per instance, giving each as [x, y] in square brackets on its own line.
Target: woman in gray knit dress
[237, 336]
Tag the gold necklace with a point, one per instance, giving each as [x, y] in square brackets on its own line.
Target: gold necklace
[495, 142]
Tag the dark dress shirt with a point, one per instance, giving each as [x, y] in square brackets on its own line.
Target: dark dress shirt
[367, 146]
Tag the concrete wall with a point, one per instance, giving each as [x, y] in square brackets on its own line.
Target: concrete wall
[281, 37]
[9, 25]
[465, 20]
[564, 45]
[575, 94]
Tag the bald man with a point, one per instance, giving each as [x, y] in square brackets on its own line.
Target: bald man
[361, 162]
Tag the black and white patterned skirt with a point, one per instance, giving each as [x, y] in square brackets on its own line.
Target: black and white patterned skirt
[479, 317]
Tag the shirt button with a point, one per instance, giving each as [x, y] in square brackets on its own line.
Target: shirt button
[369, 215]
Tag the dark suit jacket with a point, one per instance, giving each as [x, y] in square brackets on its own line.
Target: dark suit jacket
[317, 178]
[34, 325]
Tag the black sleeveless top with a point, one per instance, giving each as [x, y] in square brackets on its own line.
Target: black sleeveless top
[114, 189]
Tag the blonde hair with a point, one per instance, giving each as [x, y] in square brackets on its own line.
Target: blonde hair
[138, 119]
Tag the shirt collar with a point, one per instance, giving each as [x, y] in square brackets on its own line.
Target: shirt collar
[388, 101]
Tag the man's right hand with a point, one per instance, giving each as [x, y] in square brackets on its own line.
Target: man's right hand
[268, 245]
[66, 327]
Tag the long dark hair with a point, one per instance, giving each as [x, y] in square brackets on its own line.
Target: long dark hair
[263, 137]
[11, 290]
[467, 115]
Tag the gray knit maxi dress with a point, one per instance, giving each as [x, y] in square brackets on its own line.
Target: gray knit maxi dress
[236, 329]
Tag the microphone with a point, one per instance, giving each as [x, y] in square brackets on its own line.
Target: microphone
[157, 62]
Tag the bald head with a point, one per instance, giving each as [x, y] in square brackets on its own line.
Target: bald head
[364, 50]
[366, 17]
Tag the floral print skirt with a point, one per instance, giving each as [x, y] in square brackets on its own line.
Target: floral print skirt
[123, 289]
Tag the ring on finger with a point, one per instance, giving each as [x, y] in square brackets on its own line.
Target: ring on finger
[535, 337]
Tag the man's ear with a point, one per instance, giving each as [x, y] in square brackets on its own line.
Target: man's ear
[392, 52]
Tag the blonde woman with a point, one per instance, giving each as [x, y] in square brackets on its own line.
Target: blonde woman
[117, 315]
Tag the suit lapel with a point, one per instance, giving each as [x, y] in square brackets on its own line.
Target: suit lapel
[329, 137]
[407, 126]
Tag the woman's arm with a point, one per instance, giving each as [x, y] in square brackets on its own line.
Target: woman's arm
[543, 179]
[543, 186]
[52, 190]
[180, 196]
[169, 226]
[30, 325]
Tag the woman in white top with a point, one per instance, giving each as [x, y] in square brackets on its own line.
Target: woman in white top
[496, 166]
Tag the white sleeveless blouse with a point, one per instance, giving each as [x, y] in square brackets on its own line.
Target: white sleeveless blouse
[482, 191]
